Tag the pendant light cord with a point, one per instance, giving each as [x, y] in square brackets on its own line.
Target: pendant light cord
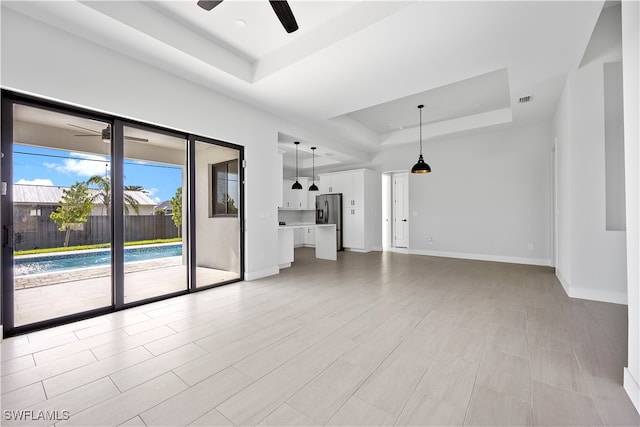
[420, 108]
[297, 161]
[314, 164]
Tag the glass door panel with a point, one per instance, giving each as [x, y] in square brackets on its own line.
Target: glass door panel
[155, 254]
[217, 215]
[60, 231]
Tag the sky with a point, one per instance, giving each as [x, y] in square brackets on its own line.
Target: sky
[45, 166]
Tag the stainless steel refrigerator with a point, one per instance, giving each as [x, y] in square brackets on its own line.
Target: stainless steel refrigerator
[329, 211]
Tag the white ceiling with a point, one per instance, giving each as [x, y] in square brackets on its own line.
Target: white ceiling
[355, 71]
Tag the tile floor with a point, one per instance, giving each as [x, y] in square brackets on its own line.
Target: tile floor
[373, 339]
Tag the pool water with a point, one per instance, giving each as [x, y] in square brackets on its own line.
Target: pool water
[55, 263]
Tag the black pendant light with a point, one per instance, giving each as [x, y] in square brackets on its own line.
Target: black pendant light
[421, 166]
[296, 185]
[314, 187]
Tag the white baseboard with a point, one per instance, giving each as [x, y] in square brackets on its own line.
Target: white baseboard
[377, 248]
[632, 388]
[564, 282]
[591, 294]
[254, 275]
[483, 257]
[597, 295]
[398, 250]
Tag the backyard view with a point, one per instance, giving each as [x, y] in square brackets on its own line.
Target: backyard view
[85, 233]
[62, 230]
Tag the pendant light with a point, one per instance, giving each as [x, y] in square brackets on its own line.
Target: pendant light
[421, 166]
[296, 185]
[314, 187]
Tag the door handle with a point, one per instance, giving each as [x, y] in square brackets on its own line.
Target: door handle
[404, 220]
[7, 236]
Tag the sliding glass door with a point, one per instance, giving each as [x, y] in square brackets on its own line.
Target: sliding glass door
[99, 214]
[57, 248]
[217, 195]
[155, 255]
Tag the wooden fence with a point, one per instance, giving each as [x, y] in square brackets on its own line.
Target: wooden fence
[42, 232]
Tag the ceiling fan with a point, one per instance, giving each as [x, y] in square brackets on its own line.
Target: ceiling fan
[280, 7]
[105, 134]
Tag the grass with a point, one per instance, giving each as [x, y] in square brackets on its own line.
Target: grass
[98, 246]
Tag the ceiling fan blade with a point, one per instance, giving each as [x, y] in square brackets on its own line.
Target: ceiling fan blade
[208, 4]
[87, 129]
[135, 138]
[285, 15]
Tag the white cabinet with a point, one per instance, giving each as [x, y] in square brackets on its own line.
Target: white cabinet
[309, 236]
[302, 196]
[357, 188]
[304, 236]
[298, 237]
[361, 207]
[286, 194]
[311, 199]
[332, 183]
[325, 184]
[285, 247]
[351, 184]
[295, 199]
[353, 234]
[353, 189]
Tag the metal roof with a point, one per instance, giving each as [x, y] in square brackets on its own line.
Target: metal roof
[51, 195]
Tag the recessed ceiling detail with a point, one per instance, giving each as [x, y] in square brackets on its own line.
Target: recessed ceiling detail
[476, 101]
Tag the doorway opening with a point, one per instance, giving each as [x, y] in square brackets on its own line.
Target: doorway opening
[395, 211]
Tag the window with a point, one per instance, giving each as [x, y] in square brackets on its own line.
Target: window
[224, 177]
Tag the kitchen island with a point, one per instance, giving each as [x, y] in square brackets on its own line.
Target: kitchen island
[326, 243]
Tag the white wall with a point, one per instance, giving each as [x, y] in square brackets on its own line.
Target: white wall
[563, 197]
[488, 196]
[631, 70]
[47, 62]
[591, 260]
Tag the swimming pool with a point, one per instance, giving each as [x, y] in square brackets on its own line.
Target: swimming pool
[26, 265]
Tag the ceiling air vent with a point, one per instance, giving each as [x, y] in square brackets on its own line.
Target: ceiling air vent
[524, 99]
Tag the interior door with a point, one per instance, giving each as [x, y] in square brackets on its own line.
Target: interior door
[400, 210]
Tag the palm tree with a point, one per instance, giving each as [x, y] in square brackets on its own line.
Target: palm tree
[103, 194]
[135, 188]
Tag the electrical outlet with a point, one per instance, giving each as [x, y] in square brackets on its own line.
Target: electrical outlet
[430, 240]
[530, 246]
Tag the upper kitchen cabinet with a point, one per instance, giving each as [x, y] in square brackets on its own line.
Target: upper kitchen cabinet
[355, 187]
[330, 183]
[350, 183]
[295, 199]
